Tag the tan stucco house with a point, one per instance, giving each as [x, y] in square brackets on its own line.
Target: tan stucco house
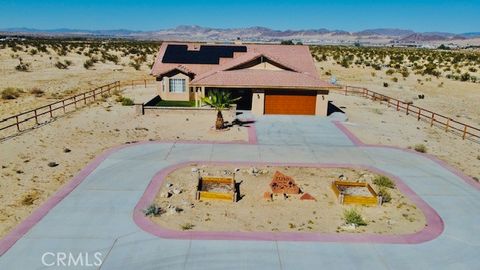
[270, 79]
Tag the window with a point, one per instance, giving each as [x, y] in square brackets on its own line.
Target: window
[177, 85]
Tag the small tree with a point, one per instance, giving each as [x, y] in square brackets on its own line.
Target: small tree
[219, 100]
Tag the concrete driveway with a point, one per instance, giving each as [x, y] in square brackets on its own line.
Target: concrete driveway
[94, 215]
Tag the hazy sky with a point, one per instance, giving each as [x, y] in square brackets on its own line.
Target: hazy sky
[422, 15]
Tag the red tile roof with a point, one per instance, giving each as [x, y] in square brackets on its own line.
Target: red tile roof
[300, 71]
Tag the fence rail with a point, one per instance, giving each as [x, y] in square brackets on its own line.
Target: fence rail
[35, 117]
[435, 119]
[14, 124]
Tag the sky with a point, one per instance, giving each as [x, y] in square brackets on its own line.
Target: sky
[456, 16]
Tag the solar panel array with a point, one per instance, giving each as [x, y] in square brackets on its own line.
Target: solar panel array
[208, 54]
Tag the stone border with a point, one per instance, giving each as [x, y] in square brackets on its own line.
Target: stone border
[431, 231]
[357, 142]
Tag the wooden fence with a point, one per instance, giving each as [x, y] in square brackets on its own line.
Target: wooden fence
[435, 119]
[12, 125]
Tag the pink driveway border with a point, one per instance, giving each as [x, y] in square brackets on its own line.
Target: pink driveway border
[356, 141]
[432, 230]
[21, 229]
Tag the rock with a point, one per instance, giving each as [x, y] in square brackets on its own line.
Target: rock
[66, 150]
[349, 227]
[307, 196]
[177, 191]
[194, 170]
[267, 196]
[342, 177]
[168, 184]
[166, 194]
[236, 170]
[106, 105]
[52, 164]
[171, 210]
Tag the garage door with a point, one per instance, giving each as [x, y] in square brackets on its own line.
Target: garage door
[290, 102]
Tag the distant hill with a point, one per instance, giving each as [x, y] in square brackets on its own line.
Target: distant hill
[254, 34]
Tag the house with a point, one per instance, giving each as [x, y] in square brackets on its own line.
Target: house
[270, 79]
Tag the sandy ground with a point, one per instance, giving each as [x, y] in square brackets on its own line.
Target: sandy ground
[456, 99]
[375, 123]
[253, 213]
[26, 180]
[57, 83]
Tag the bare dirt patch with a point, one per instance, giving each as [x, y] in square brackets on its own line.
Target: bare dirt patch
[375, 123]
[254, 213]
[27, 174]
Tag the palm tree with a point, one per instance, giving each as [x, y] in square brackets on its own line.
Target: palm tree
[219, 100]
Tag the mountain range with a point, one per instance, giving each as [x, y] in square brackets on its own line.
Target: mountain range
[254, 34]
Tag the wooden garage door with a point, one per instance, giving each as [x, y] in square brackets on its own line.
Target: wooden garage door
[290, 102]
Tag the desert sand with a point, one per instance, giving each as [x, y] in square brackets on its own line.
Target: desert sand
[253, 213]
[72, 141]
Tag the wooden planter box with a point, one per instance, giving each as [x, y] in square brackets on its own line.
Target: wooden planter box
[343, 198]
[216, 188]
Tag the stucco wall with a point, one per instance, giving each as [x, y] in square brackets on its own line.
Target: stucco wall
[322, 103]
[258, 101]
[164, 88]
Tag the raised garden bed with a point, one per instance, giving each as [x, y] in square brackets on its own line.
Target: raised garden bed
[216, 188]
[355, 193]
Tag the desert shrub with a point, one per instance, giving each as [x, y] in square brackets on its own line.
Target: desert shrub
[33, 52]
[394, 79]
[88, 64]
[127, 102]
[420, 148]
[383, 181]
[37, 92]
[153, 210]
[187, 226]
[11, 93]
[61, 65]
[385, 84]
[24, 67]
[135, 64]
[390, 72]
[353, 217]
[465, 77]
[124, 100]
[386, 197]
[328, 73]
[404, 72]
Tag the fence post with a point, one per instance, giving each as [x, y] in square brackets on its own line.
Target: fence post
[50, 108]
[145, 82]
[75, 101]
[94, 93]
[433, 119]
[132, 84]
[419, 112]
[84, 99]
[398, 104]
[464, 132]
[63, 105]
[18, 124]
[408, 106]
[448, 123]
[36, 118]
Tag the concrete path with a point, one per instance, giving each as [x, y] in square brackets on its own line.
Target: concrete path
[97, 215]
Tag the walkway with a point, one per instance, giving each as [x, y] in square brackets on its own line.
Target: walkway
[97, 216]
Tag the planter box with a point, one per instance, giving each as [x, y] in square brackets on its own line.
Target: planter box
[364, 193]
[216, 188]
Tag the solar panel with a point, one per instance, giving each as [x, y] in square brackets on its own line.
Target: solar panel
[208, 54]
